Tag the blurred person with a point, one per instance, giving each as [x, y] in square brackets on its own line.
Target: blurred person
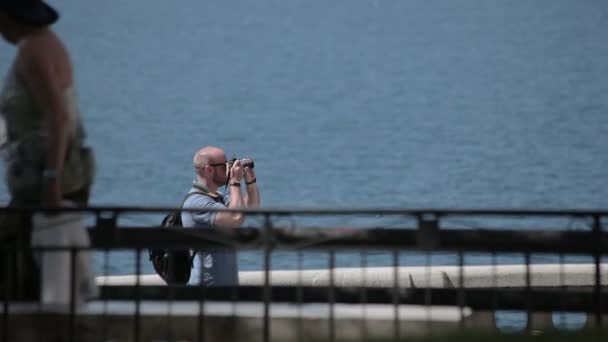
[47, 164]
[218, 267]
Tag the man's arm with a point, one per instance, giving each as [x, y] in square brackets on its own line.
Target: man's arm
[252, 199]
[208, 218]
[233, 219]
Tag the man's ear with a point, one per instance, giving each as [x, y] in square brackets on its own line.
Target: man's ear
[200, 171]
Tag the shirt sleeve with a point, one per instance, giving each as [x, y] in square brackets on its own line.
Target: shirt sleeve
[226, 198]
[203, 217]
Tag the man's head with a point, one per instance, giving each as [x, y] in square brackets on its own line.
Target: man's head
[210, 165]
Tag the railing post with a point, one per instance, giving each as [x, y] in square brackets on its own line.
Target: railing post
[396, 291]
[267, 250]
[461, 296]
[428, 232]
[6, 283]
[299, 298]
[73, 289]
[597, 259]
[332, 296]
[106, 219]
[137, 323]
[427, 241]
[529, 304]
[363, 295]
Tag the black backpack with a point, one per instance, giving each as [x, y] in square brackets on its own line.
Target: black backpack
[173, 266]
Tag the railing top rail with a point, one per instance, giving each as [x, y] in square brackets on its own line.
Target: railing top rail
[574, 242]
[332, 211]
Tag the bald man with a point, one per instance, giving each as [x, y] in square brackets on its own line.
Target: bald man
[218, 267]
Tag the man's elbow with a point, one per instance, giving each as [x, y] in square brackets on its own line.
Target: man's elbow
[233, 220]
[238, 219]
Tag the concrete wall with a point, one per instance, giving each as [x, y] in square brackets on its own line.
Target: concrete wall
[546, 275]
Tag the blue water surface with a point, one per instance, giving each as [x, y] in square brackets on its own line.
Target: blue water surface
[346, 103]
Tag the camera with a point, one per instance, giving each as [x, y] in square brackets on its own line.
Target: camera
[245, 162]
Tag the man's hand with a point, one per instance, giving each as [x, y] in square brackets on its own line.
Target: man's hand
[252, 197]
[237, 171]
[249, 174]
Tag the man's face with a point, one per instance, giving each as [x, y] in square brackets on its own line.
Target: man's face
[220, 170]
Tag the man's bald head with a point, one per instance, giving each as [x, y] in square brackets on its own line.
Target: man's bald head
[208, 155]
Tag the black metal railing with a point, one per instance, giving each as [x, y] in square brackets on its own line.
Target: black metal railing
[397, 238]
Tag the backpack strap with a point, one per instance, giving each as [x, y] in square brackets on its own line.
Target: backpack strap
[189, 195]
[204, 191]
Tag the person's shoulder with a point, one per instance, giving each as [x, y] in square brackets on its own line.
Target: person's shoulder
[41, 53]
[40, 45]
[196, 198]
[193, 194]
[29, 56]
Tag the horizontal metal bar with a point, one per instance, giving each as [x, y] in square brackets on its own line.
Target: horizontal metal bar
[325, 211]
[131, 238]
[543, 241]
[582, 300]
[480, 240]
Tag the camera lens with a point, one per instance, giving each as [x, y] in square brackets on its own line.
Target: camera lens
[247, 163]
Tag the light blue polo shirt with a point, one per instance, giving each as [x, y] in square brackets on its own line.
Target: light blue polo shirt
[211, 267]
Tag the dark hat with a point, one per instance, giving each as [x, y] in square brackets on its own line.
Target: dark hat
[29, 12]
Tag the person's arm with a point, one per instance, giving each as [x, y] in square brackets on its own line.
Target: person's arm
[252, 198]
[206, 218]
[48, 84]
[233, 219]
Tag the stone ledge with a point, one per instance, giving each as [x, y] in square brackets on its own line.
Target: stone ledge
[544, 275]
